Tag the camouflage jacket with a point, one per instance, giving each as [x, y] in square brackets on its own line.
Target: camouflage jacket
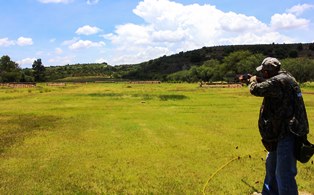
[282, 110]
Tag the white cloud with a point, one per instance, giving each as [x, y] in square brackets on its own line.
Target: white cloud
[55, 1]
[131, 33]
[168, 35]
[171, 27]
[100, 60]
[26, 62]
[299, 9]
[288, 21]
[58, 51]
[92, 2]
[70, 42]
[86, 44]
[248, 38]
[39, 53]
[61, 60]
[87, 30]
[137, 54]
[22, 41]
[5, 42]
[232, 22]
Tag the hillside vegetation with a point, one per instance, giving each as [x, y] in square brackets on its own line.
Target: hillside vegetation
[219, 63]
[223, 63]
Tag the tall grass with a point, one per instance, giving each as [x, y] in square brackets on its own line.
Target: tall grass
[135, 139]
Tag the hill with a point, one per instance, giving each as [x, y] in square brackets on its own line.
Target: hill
[218, 63]
[78, 70]
[161, 67]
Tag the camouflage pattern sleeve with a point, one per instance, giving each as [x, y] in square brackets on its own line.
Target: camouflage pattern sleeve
[268, 88]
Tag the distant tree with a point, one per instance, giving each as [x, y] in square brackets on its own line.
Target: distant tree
[9, 70]
[293, 54]
[39, 71]
[280, 52]
[6, 64]
[27, 75]
[211, 70]
[240, 62]
[311, 46]
[196, 57]
[301, 68]
[179, 76]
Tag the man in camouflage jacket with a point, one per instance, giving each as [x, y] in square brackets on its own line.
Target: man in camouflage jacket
[277, 124]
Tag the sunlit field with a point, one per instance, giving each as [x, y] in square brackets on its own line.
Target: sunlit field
[121, 138]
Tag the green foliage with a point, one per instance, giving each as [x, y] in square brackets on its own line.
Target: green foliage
[301, 68]
[293, 54]
[168, 68]
[209, 71]
[218, 63]
[39, 71]
[27, 75]
[78, 70]
[7, 65]
[13, 76]
[238, 62]
[9, 70]
[179, 76]
[311, 46]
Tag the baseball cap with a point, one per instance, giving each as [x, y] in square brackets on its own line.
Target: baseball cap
[269, 61]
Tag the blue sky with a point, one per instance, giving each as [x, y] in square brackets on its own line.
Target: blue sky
[118, 32]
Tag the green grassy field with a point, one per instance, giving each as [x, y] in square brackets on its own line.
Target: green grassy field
[120, 138]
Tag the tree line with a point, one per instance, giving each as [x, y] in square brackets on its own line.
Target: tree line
[241, 62]
[223, 63]
[10, 71]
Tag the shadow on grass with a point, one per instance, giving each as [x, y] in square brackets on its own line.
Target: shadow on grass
[18, 127]
[142, 96]
[172, 97]
[105, 95]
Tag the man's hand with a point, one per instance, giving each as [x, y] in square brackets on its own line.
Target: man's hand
[256, 79]
[253, 79]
